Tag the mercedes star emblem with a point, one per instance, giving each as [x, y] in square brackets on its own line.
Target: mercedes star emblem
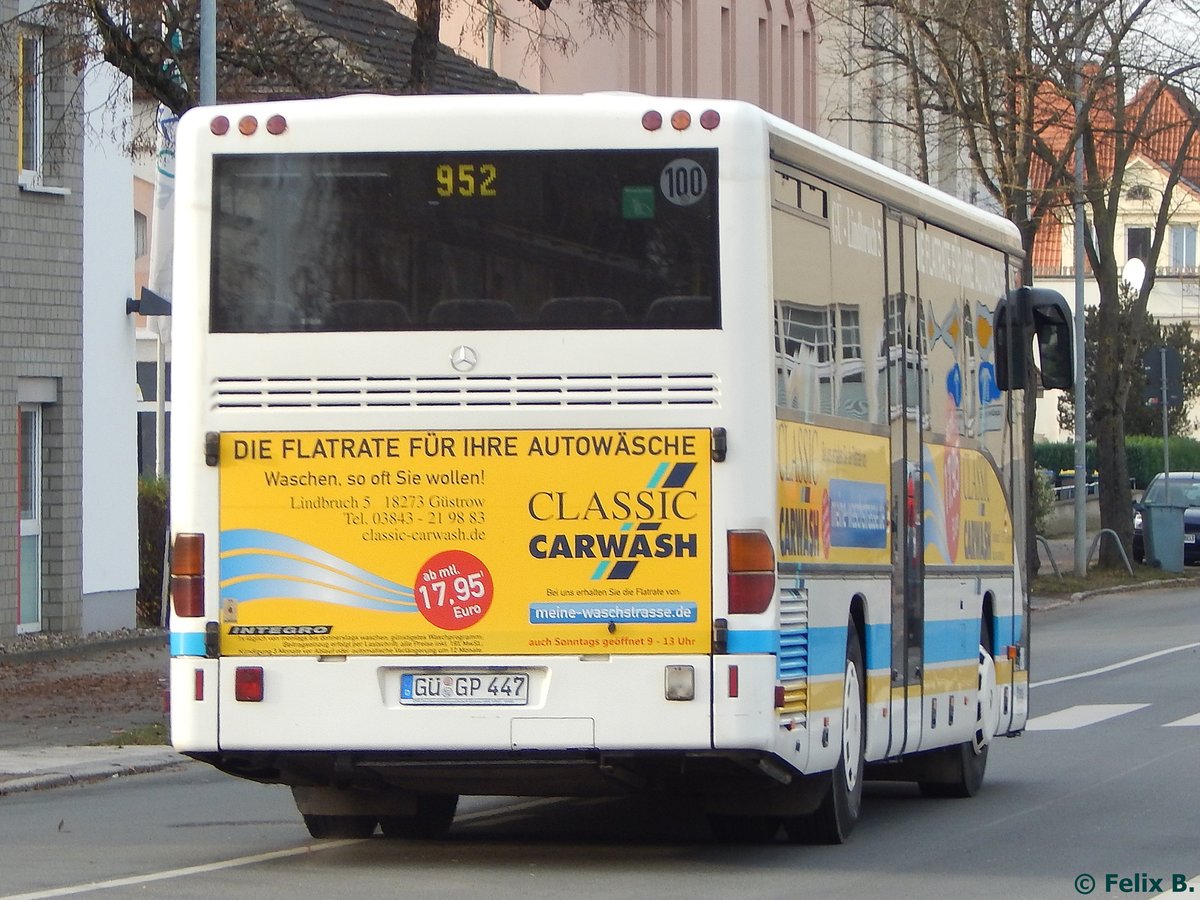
[463, 358]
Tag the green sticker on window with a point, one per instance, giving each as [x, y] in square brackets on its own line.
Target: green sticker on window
[637, 202]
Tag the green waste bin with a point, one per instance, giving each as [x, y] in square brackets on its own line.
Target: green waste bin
[1163, 524]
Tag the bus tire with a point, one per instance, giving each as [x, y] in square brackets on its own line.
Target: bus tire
[322, 826]
[432, 820]
[833, 820]
[964, 764]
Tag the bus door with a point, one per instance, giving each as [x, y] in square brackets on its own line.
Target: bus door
[907, 408]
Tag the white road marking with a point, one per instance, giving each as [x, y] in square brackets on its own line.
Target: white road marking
[1118, 665]
[132, 880]
[316, 847]
[1193, 721]
[1081, 716]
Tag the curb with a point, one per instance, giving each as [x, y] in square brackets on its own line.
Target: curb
[1080, 596]
[116, 763]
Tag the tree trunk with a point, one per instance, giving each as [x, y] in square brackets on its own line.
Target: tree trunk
[425, 46]
[1108, 417]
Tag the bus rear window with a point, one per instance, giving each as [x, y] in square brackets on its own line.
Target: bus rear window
[465, 241]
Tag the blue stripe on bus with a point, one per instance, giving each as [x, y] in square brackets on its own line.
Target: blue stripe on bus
[945, 641]
[879, 646]
[826, 650]
[821, 651]
[187, 643]
[753, 641]
[1008, 631]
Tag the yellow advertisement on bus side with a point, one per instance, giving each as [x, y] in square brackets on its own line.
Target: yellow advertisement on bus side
[465, 542]
[833, 490]
[833, 495]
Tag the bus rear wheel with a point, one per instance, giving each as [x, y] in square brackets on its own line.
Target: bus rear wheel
[433, 818]
[964, 764]
[835, 818]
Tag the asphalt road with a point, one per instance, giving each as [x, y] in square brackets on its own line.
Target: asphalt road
[1097, 798]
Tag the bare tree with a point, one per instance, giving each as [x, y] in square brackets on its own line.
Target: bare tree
[1020, 82]
[281, 47]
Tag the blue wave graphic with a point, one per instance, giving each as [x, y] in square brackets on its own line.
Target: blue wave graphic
[935, 513]
[259, 565]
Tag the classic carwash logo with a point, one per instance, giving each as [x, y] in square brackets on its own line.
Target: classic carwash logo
[618, 529]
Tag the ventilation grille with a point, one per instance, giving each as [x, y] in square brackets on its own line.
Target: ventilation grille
[469, 390]
[793, 652]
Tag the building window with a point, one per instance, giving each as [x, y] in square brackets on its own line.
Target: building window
[141, 240]
[31, 124]
[1137, 243]
[29, 490]
[1138, 192]
[1183, 246]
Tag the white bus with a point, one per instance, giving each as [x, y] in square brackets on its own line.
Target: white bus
[548, 445]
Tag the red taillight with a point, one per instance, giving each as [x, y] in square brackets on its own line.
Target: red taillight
[198, 685]
[751, 571]
[248, 684]
[733, 681]
[187, 575]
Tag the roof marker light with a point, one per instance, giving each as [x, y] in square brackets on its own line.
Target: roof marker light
[247, 125]
[710, 119]
[652, 120]
[681, 119]
[277, 124]
[219, 125]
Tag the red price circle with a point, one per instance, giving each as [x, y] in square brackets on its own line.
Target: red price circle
[453, 590]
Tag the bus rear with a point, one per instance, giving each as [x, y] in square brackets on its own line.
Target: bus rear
[459, 504]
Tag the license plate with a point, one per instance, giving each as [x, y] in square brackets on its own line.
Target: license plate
[465, 688]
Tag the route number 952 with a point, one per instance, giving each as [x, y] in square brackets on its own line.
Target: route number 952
[466, 180]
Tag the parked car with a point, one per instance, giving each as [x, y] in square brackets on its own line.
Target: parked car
[1184, 490]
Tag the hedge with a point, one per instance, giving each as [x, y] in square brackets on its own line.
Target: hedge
[1144, 456]
[153, 505]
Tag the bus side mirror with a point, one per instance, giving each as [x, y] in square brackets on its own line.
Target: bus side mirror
[1027, 313]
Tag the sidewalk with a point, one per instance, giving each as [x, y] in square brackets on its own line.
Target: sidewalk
[62, 696]
[35, 768]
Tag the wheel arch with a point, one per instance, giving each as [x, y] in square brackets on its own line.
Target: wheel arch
[987, 621]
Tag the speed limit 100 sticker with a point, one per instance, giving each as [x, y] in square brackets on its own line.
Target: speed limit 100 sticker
[453, 590]
[683, 182]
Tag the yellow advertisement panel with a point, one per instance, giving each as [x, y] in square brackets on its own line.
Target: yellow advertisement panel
[967, 520]
[465, 542]
[833, 495]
